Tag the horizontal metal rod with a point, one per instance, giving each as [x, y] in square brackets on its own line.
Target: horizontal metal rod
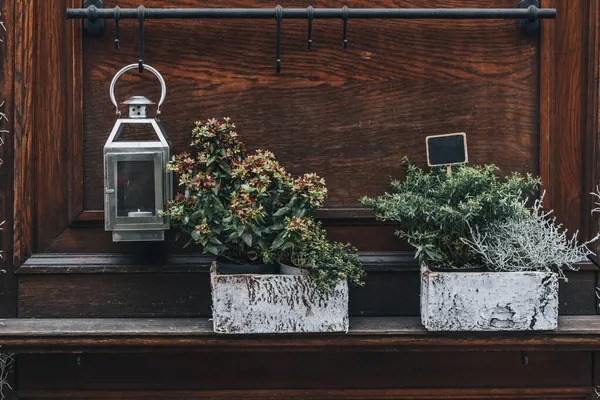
[532, 13]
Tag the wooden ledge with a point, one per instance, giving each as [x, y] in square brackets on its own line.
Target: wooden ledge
[366, 334]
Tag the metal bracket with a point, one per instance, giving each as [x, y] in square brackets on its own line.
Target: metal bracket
[93, 26]
[530, 26]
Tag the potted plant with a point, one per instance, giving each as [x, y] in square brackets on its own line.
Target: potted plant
[309, 253]
[435, 210]
[235, 204]
[472, 218]
[242, 208]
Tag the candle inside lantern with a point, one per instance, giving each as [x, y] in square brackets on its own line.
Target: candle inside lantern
[139, 213]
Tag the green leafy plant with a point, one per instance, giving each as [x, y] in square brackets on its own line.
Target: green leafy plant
[326, 262]
[435, 210]
[235, 204]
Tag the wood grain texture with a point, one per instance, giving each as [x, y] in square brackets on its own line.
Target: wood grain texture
[568, 122]
[326, 369]
[127, 335]
[575, 393]
[592, 126]
[369, 236]
[74, 93]
[8, 283]
[347, 115]
[55, 153]
[24, 170]
[154, 291]
[47, 102]
[548, 68]
[50, 263]
[124, 295]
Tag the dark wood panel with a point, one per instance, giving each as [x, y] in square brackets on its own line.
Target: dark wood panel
[123, 295]
[575, 393]
[371, 236]
[51, 263]
[190, 335]
[596, 371]
[182, 295]
[54, 47]
[8, 283]
[591, 133]
[97, 291]
[74, 115]
[347, 115]
[577, 296]
[548, 70]
[48, 102]
[568, 116]
[301, 370]
[24, 170]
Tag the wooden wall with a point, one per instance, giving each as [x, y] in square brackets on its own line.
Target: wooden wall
[349, 115]
[528, 104]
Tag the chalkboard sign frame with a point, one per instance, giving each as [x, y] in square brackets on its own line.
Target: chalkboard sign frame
[463, 134]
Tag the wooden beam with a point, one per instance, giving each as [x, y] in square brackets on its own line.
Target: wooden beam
[289, 394]
[8, 283]
[366, 333]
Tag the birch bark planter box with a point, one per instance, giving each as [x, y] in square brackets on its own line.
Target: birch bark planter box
[489, 301]
[275, 304]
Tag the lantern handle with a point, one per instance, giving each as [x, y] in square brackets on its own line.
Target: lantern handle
[163, 86]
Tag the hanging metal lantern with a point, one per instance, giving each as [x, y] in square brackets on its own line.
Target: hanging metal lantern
[136, 184]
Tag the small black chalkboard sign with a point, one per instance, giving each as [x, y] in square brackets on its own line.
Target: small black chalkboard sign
[447, 149]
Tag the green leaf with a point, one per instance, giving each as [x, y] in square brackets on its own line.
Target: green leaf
[218, 205]
[212, 249]
[214, 240]
[196, 214]
[279, 240]
[262, 244]
[195, 236]
[281, 212]
[247, 238]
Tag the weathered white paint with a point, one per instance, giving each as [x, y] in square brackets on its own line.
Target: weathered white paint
[276, 304]
[489, 301]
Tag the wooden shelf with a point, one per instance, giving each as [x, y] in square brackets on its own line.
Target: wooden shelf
[366, 334]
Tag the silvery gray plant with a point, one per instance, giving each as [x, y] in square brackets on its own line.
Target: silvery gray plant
[6, 364]
[534, 242]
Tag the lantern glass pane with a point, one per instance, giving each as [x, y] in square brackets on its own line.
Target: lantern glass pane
[135, 189]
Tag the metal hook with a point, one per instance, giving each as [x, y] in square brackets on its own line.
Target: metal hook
[141, 16]
[310, 15]
[278, 17]
[345, 15]
[117, 19]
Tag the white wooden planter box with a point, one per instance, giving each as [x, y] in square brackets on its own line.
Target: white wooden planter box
[275, 304]
[489, 301]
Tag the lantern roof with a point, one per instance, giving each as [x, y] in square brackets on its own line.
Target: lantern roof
[138, 100]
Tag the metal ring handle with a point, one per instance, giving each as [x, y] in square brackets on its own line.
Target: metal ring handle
[163, 86]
